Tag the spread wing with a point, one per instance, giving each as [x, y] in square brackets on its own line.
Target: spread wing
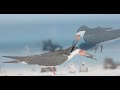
[98, 36]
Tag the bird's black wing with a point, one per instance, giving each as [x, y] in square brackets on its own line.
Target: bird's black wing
[98, 36]
[85, 28]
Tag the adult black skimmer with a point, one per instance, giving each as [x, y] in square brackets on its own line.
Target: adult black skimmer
[90, 38]
[51, 59]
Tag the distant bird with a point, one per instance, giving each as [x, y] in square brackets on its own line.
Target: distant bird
[48, 45]
[83, 67]
[89, 38]
[110, 64]
[72, 68]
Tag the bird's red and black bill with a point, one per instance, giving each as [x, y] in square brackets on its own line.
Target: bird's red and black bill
[74, 44]
[86, 54]
[77, 38]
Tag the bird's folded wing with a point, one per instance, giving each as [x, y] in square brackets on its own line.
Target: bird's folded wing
[14, 61]
[16, 57]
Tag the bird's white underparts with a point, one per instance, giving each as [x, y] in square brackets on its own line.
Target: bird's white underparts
[81, 53]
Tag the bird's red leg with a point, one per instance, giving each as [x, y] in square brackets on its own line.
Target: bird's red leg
[53, 70]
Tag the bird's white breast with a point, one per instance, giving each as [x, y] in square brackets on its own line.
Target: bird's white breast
[23, 62]
[81, 33]
[74, 53]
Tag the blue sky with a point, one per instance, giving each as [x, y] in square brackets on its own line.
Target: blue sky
[58, 18]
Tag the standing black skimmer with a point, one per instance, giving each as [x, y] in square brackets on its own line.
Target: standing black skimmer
[51, 59]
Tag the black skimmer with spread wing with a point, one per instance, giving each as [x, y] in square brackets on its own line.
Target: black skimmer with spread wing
[89, 38]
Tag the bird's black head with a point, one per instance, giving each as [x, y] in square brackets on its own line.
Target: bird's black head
[83, 28]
